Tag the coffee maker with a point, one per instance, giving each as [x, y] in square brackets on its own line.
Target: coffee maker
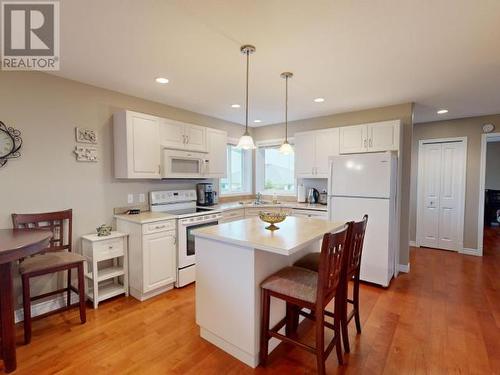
[206, 195]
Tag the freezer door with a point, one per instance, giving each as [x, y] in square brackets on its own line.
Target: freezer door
[361, 175]
[377, 260]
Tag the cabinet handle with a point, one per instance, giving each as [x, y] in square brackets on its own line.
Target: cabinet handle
[110, 247]
[175, 240]
[371, 142]
[364, 142]
[160, 226]
[159, 169]
[183, 139]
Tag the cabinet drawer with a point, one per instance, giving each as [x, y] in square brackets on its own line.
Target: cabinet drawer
[109, 249]
[256, 211]
[159, 226]
[311, 214]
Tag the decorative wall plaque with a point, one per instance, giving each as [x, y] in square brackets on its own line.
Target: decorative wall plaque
[10, 143]
[85, 153]
[86, 136]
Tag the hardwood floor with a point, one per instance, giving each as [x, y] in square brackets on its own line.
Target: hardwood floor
[443, 317]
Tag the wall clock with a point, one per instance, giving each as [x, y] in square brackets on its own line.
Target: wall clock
[10, 143]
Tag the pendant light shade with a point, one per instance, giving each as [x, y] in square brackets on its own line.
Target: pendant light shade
[246, 140]
[286, 148]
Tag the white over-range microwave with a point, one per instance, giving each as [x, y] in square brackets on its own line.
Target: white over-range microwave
[183, 164]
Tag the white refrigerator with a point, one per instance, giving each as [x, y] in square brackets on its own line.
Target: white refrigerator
[367, 184]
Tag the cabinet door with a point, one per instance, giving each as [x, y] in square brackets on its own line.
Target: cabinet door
[353, 139]
[159, 260]
[327, 144]
[172, 134]
[232, 215]
[217, 155]
[143, 150]
[304, 155]
[383, 136]
[195, 137]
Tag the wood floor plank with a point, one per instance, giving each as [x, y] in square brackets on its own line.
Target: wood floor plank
[442, 318]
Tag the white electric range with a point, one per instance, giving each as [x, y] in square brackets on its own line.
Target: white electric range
[182, 204]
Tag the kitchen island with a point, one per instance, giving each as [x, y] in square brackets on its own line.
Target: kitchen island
[232, 259]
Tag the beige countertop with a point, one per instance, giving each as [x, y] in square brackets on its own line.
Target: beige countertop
[236, 205]
[294, 233]
[145, 217]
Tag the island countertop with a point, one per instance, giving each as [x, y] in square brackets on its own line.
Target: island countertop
[294, 233]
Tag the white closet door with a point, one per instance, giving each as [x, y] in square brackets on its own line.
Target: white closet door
[450, 195]
[441, 195]
[431, 181]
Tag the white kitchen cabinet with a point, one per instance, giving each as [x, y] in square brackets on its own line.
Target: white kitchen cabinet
[136, 149]
[216, 166]
[312, 150]
[182, 136]
[373, 137]
[159, 260]
[313, 214]
[152, 256]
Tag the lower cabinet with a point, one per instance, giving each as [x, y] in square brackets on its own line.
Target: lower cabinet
[159, 260]
[313, 214]
[152, 256]
[232, 215]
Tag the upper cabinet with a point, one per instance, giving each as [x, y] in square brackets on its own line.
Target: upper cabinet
[312, 150]
[137, 153]
[182, 136]
[216, 164]
[374, 137]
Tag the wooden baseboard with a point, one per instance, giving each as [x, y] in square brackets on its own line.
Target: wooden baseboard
[405, 268]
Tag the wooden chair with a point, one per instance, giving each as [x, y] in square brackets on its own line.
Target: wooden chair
[303, 288]
[57, 257]
[311, 262]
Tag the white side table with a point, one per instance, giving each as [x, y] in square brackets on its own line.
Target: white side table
[107, 258]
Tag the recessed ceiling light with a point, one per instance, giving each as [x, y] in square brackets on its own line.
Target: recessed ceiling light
[161, 80]
[442, 111]
[235, 106]
[319, 100]
[257, 121]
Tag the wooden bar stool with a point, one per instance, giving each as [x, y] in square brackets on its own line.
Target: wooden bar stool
[57, 257]
[303, 288]
[311, 262]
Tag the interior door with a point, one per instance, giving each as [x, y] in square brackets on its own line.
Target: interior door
[441, 196]
[431, 187]
[450, 195]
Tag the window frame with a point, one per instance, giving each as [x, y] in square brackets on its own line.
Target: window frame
[247, 165]
[260, 168]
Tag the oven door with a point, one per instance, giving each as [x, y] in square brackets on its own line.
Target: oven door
[187, 249]
[182, 164]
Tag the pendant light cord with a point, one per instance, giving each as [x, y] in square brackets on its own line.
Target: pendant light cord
[246, 105]
[286, 109]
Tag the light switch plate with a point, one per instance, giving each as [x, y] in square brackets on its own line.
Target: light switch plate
[130, 198]
[142, 198]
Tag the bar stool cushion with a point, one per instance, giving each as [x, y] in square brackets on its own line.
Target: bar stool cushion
[49, 260]
[309, 261]
[294, 282]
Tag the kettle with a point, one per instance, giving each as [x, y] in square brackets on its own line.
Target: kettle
[313, 196]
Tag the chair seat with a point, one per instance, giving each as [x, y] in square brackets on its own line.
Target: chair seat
[309, 261]
[49, 260]
[295, 282]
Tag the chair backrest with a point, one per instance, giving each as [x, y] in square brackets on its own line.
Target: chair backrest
[334, 251]
[356, 249]
[60, 223]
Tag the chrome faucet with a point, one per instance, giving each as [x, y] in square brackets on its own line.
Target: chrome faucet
[258, 198]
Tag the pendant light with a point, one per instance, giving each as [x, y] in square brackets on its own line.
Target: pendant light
[286, 148]
[246, 140]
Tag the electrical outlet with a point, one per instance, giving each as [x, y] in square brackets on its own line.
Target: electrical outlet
[130, 198]
[142, 198]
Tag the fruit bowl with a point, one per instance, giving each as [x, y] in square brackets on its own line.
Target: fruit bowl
[272, 218]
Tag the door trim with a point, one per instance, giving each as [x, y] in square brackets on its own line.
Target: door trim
[485, 138]
[461, 212]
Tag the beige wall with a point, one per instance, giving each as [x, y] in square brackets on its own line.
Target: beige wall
[402, 111]
[472, 129]
[493, 166]
[46, 109]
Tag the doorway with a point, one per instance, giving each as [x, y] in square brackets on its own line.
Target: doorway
[489, 192]
[441, 193]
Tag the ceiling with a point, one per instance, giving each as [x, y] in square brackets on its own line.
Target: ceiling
[355, 54]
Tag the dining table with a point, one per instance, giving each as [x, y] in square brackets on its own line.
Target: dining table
[15, 244]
